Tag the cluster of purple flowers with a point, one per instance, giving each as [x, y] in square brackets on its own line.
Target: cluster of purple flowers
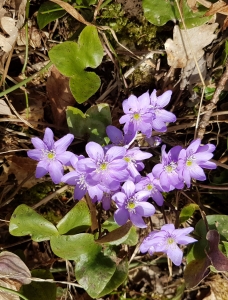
[146, 113]
[112, 172]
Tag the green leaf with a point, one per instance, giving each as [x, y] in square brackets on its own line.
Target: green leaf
[226, 247]
[94, 273]
[187, 212]
[40, 290]
[72, 59]
[25, 221]
[91, 125]
[220, 223]
[48, 12]
[117, 279]
[160, 12]
[78, 219]
[97, 273]
[73, 247]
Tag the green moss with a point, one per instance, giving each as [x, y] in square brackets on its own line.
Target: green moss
[136, 30]
[37, 192]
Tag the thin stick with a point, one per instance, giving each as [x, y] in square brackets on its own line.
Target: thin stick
[20, 84]
[212, 105]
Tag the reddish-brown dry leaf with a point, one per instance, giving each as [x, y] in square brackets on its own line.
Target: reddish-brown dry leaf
[225, 24]
[59, 95]
[192, 5]
[116, 234]
[22, 167]
[218, 7]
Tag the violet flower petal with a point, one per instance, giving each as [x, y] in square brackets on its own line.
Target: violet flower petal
[121, 216]
[56, 171]
[35, 154]
[62, 144]
[42, 168]
[137, 220]
[95, 151]
[175, 254]
[38, 143]
[49, 138]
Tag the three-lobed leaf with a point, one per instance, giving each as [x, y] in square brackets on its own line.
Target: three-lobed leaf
[72, 59]
[91, 125]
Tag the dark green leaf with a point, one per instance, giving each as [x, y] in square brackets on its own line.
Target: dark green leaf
[91, 125]
[40, 290]
[117, 279]
[48, 12]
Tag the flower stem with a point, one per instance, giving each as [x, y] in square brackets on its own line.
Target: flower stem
[20, 84]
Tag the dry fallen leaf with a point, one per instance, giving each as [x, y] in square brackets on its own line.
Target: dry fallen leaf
[35, 37]
[218, 7]
[4, 108]
[60, 96]
[22, 167]
[219, 288]
[72, 11]
[8, 25]
[9, 284]
[13, 273]
[179, 52]
[192, 5]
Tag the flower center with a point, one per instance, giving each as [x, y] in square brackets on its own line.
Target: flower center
[103, 166]
[127, 159]
[149, 187]
[170, 168]
[170, 241]
[50, 155]
[136, 116]
[131, 204]
[189, 163]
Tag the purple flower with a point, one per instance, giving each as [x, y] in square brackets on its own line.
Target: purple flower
[138, 115]
[193, 159]
[166, 240]
[117, 137]
[78, 179]
[51, 155]
[133, 158]
[151, 185]
[105, 168]
[106, 198]
[162, 116]
[132, 205]
[167, 171]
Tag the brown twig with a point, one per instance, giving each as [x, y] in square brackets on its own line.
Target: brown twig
[211, 106]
